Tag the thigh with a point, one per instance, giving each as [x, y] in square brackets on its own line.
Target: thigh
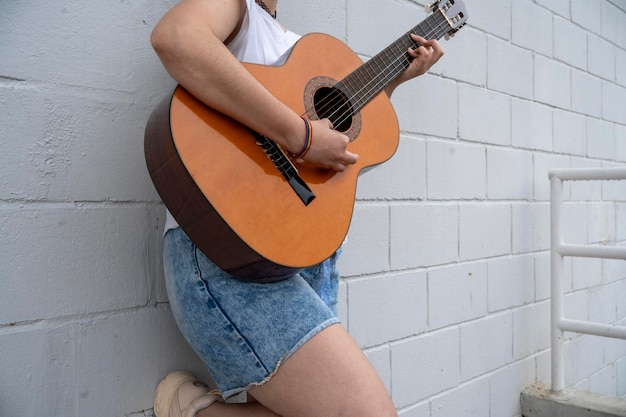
[328, 376]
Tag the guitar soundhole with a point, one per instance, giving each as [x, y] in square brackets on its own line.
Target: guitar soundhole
[324, 98]
[330, 103]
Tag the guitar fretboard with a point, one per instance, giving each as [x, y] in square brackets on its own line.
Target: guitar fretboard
[367, 81]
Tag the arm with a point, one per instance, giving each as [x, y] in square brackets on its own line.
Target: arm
[190, 39]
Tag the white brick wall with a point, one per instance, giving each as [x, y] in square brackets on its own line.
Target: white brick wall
[446, 270]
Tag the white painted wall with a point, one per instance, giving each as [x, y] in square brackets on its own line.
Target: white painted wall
[446, 272]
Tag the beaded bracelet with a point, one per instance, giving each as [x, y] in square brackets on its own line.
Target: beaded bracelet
[308, 140]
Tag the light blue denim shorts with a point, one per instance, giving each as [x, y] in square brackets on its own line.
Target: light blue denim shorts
[243, 331]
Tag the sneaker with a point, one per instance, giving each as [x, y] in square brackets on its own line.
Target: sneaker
[179, 394]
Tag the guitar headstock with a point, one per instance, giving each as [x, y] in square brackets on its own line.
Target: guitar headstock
[453, 11]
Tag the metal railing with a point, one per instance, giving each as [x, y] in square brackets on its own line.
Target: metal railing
[558, 251]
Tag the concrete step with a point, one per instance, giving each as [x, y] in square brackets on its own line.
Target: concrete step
[538, 400]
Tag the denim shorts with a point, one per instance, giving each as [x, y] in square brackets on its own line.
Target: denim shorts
[243, 331]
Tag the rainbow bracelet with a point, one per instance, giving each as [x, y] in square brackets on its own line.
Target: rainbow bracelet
[307, 142]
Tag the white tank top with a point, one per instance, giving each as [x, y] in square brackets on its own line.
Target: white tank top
[261, 40]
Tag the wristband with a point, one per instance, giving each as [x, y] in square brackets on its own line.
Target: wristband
[307, 141]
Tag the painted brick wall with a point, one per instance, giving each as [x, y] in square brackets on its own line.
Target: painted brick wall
[446, 269]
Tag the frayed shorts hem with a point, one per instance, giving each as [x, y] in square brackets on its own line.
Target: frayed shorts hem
[235, 391]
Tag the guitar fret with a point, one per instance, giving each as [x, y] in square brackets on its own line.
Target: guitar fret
[378, 65]
[367, 81]
[430, 28]
[350, 85]
[371, 74]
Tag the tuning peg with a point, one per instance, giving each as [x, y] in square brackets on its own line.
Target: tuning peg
[453, 32]
[431, 7]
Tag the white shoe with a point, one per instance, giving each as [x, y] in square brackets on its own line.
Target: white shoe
[180, 394]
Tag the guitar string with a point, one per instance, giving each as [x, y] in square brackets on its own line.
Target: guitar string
[374, 87]
[376, 82]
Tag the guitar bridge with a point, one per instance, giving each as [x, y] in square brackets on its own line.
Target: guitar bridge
[285, 167]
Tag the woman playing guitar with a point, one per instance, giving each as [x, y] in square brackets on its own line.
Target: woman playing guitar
[280, 342]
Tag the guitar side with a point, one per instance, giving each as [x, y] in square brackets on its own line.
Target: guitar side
[230, 198]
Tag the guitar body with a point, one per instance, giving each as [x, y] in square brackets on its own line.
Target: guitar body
[229, 197]
[242, 203]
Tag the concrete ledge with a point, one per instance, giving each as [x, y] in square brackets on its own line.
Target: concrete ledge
[539, 401]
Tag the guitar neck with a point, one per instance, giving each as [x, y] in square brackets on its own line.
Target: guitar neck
[367, 81]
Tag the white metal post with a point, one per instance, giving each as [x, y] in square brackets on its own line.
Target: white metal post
[556, 208]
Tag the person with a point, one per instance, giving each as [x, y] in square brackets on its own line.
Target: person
[281, 342]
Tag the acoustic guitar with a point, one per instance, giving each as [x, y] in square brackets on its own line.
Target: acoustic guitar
[254, 212]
